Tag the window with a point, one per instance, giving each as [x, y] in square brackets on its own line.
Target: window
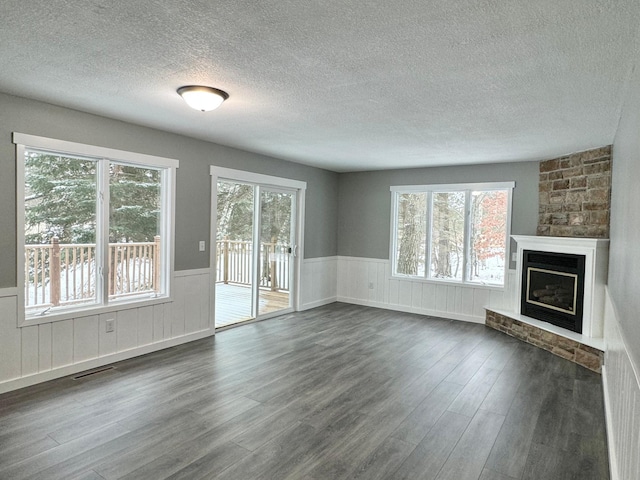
[453, 233]
[96, 226]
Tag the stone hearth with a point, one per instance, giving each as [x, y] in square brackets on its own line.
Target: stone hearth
[584, 348]
[574, 208]
[572, 350]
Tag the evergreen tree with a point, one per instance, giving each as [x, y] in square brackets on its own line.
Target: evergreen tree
[134, 203]
[61, 200]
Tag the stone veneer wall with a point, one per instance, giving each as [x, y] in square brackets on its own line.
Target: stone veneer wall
[575, 195]
[576, 352]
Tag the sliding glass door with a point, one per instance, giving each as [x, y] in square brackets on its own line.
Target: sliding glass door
[255, 247]
[276, 250]
[234, 253]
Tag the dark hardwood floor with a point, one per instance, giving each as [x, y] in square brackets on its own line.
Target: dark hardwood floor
[336, 392]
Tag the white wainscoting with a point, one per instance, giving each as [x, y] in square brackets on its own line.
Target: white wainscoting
[38, 353]
[368, 281]
[621, 383]
[318, 285]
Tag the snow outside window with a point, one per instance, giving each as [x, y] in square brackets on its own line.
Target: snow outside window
[96, 228]
[455, 233]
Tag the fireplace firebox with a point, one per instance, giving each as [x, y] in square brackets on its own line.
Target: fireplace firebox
[553, 288]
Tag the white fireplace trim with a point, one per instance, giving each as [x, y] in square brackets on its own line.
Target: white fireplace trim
[596, 253]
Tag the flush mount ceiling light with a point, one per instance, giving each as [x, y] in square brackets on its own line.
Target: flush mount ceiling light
[202, 98]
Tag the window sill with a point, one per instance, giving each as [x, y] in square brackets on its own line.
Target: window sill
[92, 310]
[451, 283]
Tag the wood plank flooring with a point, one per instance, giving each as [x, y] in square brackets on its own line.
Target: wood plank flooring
[338, 392]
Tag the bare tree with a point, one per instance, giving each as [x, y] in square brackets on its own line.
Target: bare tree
[447, 234]
[411, 232]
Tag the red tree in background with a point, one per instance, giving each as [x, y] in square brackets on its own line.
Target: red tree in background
[488, 227]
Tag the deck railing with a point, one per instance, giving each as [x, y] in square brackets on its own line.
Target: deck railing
[63, 274]
[233, 264]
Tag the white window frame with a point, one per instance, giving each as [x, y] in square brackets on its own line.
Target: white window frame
[102, 156]
[429, 190]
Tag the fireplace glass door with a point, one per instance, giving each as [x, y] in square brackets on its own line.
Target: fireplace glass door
[553, 288]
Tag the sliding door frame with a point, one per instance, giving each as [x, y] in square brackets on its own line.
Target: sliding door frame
[260, 180]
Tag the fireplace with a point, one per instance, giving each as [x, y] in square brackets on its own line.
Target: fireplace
[553, 288]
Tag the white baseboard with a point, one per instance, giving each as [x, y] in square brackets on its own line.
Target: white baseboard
[621, 385]
[48, 350]
[369, 281]
[611, 444]
[318, 303]
[318, 284]
[419, 311]
[27, 381]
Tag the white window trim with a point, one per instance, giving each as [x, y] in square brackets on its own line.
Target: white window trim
[169, 166]
[452, 187]
[255, 178]
[447, 187]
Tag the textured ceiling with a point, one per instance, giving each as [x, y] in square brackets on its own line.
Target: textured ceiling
[340, 84]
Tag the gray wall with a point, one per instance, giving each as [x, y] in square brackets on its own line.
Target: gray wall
[365, 201]
[624, 255]
[193, 180]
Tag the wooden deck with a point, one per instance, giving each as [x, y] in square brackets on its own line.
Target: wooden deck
[233, 303]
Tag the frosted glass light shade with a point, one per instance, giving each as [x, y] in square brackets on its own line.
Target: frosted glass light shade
[202, 98]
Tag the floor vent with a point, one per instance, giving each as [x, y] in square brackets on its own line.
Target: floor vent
[92, 372]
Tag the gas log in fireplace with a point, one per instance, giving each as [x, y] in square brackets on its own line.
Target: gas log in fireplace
[553, 288]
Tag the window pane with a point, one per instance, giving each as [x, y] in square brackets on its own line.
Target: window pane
[234, 253]
[276, 209]
[135, 245]
[447, 235]
[488, 236]
[411, 233]
[60, 231]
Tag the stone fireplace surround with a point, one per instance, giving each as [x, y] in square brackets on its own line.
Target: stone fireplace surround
[574, 198]
[585, 349]
[574, 206]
